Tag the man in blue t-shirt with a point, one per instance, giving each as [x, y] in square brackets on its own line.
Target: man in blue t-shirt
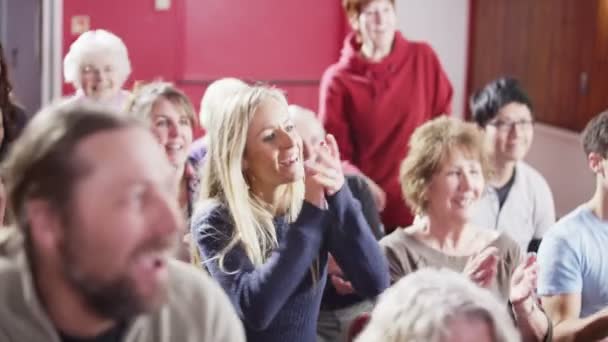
[573, 256]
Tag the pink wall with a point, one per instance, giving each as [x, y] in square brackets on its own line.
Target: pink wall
[287, 43]
[151, 36]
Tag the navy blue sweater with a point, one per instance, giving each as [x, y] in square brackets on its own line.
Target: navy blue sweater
[279, 301]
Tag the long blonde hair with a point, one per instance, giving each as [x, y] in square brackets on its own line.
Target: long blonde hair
[223, 180]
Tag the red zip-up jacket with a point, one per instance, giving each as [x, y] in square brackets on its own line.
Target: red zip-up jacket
[372, 108]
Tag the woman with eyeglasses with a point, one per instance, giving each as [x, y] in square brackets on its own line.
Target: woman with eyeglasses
[517, 199]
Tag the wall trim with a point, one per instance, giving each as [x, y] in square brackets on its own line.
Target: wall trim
[52, 42]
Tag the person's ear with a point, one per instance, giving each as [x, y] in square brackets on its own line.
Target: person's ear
[44, 223]
[595, 162]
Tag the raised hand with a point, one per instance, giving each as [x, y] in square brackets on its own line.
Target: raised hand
[523, 280]
[336, 276]
[325, 169]
[482, 267]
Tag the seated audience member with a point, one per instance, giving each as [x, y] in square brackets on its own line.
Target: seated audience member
[12, 117]
[442, 177]
[88, 256]
[517, 199]
[340, 303]
[170, 116]
[98, 65]
[211, 106]
[573, 279]
[265, 230]
[438, 306]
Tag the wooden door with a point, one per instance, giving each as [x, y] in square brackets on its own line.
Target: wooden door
[556, 48]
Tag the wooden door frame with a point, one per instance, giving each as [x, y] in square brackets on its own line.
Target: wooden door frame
[469, 65]
[52, 50]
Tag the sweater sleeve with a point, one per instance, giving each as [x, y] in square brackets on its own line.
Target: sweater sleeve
[441, 86]
[332, 114]
[258, 293]
[354, 247]
[360, 190]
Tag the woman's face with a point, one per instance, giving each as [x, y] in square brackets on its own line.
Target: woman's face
[455, 187]
[173, 130]
[98, 77]
[377, 23]
[273, 150]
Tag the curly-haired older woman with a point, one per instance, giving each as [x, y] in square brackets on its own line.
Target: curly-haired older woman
[442, 178]
[98, 65]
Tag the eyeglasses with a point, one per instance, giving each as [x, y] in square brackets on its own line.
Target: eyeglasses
[91, 69]
[507, 126]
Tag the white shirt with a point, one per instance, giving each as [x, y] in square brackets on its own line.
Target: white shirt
[527, 212]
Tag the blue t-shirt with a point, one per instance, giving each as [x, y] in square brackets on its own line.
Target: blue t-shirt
[573, 258]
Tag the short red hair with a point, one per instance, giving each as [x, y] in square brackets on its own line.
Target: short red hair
[353, 7]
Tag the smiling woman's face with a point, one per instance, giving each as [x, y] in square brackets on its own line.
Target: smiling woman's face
[98, 77]
[273, 151]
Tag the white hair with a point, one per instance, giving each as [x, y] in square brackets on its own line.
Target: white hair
[420, 306]
[92, 44]
[215, 96]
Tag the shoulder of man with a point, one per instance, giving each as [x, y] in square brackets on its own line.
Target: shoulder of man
[196, 297]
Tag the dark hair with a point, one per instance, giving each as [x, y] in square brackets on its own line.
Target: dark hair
[5, 84]
[595, 135]
[13, 117]
[487, 102]
[353, 8]
[42, 163]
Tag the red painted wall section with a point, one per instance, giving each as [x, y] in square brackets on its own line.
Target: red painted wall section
[262, 39]
[151, 36]
[288, 43]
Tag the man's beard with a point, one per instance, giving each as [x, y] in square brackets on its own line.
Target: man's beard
[116, 299]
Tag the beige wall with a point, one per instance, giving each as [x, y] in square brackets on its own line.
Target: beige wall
[558, 155]
[444, 25]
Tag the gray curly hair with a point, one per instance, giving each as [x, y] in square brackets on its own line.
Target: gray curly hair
[421, 306]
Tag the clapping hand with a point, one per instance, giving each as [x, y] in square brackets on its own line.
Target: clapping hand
[523, 280]
[323, 172]
[482, 267]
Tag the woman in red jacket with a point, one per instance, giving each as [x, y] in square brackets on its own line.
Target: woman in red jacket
[373, 98]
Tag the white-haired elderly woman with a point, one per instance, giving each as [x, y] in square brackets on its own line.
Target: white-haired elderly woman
[211, 106]
[98, 65]
[442, 178]
[171, 117]
[438, 306]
